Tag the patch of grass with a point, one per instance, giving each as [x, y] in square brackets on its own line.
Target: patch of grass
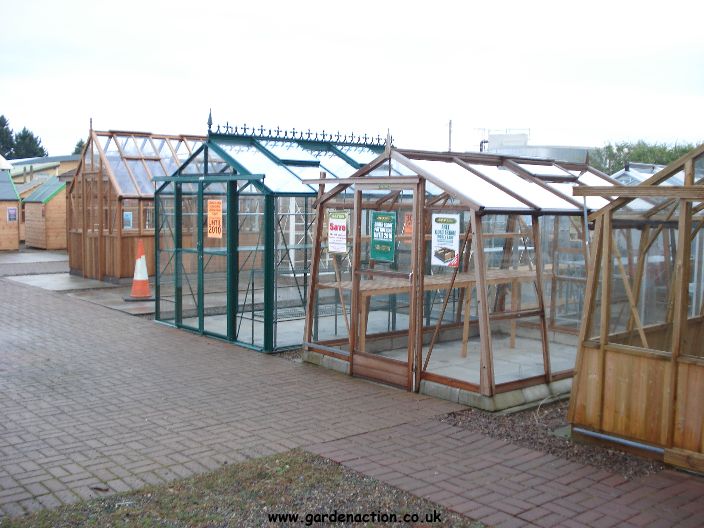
[244, 495]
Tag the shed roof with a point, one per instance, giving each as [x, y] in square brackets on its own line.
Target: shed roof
[18, 170]
[7, 187]
[46, 191]
[27, 187]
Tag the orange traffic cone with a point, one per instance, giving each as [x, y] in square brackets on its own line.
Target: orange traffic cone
[140, 282]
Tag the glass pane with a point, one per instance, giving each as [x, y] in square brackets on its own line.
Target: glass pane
[187, 278]
[645, 278]
[530, 191]
[484, 193]
[293, 251]
[122, 177]
[276, 177]
[249, 321]
[141, 176]
[167, 257]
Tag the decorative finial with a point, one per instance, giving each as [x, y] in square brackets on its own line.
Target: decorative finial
[387, 146]
[210, 120]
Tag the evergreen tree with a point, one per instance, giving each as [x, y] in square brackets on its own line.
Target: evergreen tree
[78, 149]
[27, 145]
[7, 140]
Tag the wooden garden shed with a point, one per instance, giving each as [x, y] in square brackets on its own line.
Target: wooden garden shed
[9, 210]
[639, 375]
[24, 190]
[111, 199]
[45, 216]
[463, 276]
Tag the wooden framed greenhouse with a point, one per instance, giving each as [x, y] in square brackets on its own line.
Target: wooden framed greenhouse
[234, 232]
[463, 277]
[111, 199]
[640, 366]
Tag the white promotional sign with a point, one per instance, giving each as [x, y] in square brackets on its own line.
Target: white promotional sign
[337, 232]
[445, 240]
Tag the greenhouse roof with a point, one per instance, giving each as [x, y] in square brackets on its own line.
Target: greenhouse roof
[657, 198]
[134, 159]
[46, 191]
[491, 182]
[282, 160]
[7, 187]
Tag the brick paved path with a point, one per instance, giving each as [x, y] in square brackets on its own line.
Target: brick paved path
[505, 485]
[90, 396]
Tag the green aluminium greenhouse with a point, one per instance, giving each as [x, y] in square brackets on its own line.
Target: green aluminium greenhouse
[234, 231]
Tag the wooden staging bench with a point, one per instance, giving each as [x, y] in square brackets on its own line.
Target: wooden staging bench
[467, 281]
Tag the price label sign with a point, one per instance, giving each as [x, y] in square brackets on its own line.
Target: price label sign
[214, 218]
[337, 232]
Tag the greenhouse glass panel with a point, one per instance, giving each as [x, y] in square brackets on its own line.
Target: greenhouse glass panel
[362, 155]
[482, 192]
[530, 191]
[545, 170]
[166, 277]
[333, 164]
[289, 151]
[593, 202]
[141, 176]
[122, 177]
[277, 177]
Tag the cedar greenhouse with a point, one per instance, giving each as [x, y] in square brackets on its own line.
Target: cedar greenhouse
[639, 377]
[234, 231]
[463, 278]
[111, 199]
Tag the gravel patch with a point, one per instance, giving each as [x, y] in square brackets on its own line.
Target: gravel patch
[544, 428]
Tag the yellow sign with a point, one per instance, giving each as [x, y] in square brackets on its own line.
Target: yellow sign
[214, 218]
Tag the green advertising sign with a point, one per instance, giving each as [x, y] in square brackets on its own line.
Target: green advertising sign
[383, 245]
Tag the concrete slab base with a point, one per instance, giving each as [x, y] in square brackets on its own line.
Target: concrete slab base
[499, 402]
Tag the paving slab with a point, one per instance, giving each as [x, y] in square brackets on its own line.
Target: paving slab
[29, 261]
[60, 282]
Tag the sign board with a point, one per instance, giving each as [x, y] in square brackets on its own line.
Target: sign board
[127, 220]
[407, 224]
[445, 230]
[214, 218]
[337, 231]
[383, 243]
[12, 214]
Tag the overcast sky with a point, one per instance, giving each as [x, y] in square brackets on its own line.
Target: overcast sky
[574, 73]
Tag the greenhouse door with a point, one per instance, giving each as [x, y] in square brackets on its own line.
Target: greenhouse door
[204, 298]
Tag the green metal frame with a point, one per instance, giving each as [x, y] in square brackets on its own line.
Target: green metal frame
[270, 221]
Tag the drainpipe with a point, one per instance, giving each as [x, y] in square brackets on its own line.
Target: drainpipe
[617, 440]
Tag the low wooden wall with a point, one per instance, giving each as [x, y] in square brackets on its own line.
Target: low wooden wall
[644, 395]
